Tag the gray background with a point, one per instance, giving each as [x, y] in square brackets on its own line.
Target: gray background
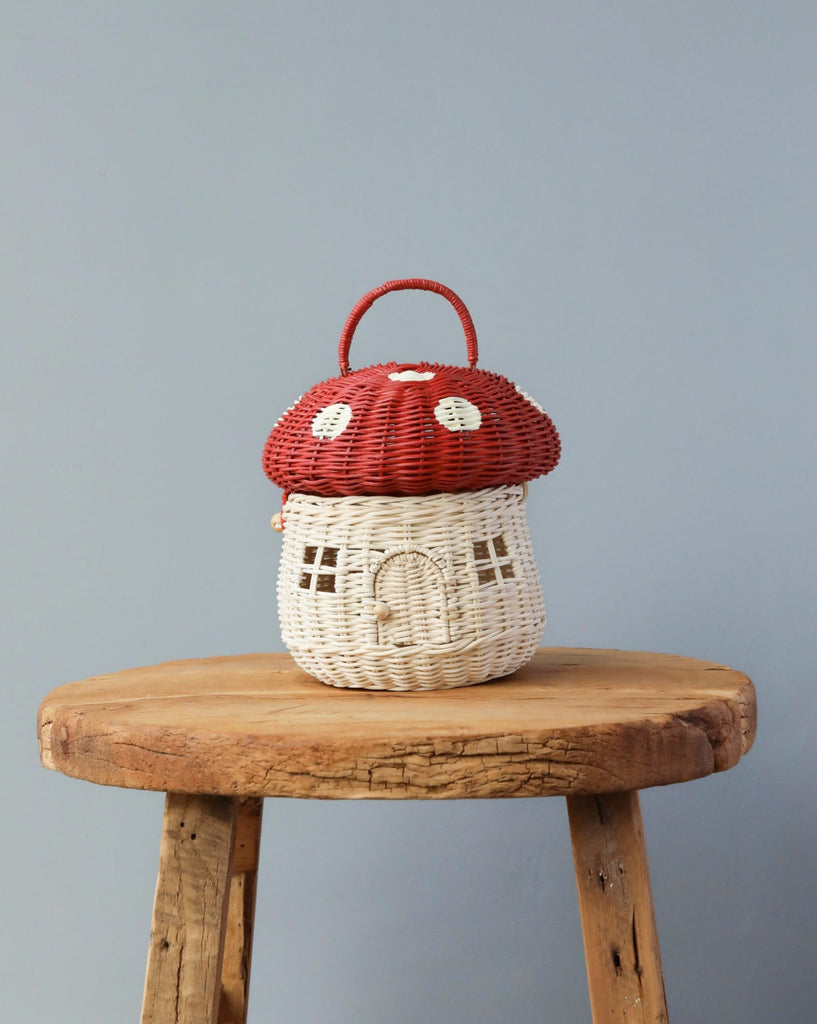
[193, 197]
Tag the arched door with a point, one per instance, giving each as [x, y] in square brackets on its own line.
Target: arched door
[412, 587]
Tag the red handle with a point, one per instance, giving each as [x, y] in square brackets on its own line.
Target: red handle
[396, 286]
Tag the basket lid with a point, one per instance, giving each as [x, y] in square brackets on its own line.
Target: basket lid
[410, 428]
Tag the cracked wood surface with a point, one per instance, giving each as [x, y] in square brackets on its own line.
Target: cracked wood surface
[572, 721]
[235, 969]
[615, 900]
[184, 972]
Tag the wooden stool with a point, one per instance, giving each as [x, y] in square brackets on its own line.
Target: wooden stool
[218, 735]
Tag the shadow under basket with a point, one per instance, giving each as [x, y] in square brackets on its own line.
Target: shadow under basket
[409, 593]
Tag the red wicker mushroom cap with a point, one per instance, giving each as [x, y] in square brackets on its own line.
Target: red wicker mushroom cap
[410, 429]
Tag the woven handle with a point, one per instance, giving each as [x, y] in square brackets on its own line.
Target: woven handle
[396, 286]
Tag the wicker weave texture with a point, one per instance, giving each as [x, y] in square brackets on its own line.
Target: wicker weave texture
[410, 429]
[404, 592]
[421, 284]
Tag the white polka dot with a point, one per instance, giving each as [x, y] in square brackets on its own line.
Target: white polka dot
[411, 375]
[528, 398]
[457, 413]
[330, 422]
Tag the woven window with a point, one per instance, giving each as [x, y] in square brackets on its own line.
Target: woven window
[492, 560]
[319, 569]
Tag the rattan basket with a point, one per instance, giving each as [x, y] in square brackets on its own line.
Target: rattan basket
[407, 561]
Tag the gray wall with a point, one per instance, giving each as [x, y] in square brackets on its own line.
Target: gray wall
[193, 196]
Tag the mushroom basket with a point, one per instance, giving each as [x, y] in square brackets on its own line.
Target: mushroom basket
[407, 562]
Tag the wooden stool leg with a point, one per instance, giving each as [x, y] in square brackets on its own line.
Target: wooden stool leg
[183, 980]
[615, 900]
[235, 971]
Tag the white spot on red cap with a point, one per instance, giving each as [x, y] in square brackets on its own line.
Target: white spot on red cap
[456, 413]
[330, 422]
[412, 375]
[528, 398]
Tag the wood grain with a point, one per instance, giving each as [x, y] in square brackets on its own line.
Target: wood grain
[235, 971]
[615, 900]
[183, 979]
[570, 722]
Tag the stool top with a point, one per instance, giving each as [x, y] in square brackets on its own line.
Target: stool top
[572, 721]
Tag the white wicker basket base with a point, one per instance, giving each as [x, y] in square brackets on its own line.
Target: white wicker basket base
[409, 593]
